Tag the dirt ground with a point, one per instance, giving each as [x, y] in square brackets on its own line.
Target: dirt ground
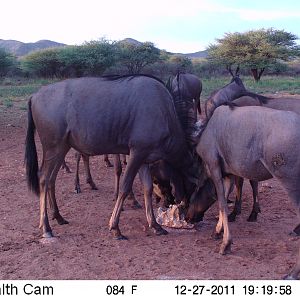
[84, 249]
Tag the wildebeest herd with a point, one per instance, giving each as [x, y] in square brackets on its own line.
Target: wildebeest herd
[242, 136]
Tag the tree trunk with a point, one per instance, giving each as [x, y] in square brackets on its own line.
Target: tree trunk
[260, 73]
[255, 74]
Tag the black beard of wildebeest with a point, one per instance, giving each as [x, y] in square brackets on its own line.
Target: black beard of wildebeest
[251, 142]
[117, 115]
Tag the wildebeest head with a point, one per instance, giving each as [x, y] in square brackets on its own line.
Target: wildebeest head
[237, 80]
[228, 93]
[202, 198]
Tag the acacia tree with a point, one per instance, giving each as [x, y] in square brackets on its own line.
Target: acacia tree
[255, 50]
[135, 57]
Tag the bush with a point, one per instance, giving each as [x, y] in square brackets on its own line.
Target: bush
[92, 58]
[43, 63]
[7, 62]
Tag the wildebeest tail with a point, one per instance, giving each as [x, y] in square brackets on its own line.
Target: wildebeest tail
[31, 159]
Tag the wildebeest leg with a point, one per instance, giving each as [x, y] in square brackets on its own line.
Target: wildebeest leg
[135, 162]
[293, 274]
[227, 188]
[107, 161]
[135, 204]
[89, 179]
[179, 191]
[124, 161]
[256, 208]
[77, 184]
[165, 190]
[118, 172]
[238, 199]
[66, 167]
[44, 221]
[145, 177]
[52, 160]
[292, 187]
[222, 189]
[52, 199]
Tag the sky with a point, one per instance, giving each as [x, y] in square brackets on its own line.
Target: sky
[183, 26]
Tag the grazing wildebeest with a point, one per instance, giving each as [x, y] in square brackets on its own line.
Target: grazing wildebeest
[256, 143]
[129, 114]
[187, 87]
[226, 95]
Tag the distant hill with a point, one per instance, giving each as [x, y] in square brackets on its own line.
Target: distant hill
[199, 54]
[131, 41]
[21, 49]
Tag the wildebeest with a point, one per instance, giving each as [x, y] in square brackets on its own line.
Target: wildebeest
[96, 116]
[186, 90]
[187, 87]
[256, 143]
[226, 95]
[282, 103]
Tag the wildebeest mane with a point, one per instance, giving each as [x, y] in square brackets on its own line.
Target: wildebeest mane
[182, 106]
[262, 99]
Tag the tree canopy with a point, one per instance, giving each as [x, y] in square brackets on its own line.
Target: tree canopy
[255, 50]
[135, 57]
[7, 61]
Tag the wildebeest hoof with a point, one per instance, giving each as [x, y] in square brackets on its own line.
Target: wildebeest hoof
[78, 190]
[47, 235]
[288, 277]
[225, 249]
[160, 231]
[252, 217]
[47, 241]
[294, 234]
[121, 237]
[61, 221]
[231, 217]
[296, 230]
[217, 235]
[94, 188]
